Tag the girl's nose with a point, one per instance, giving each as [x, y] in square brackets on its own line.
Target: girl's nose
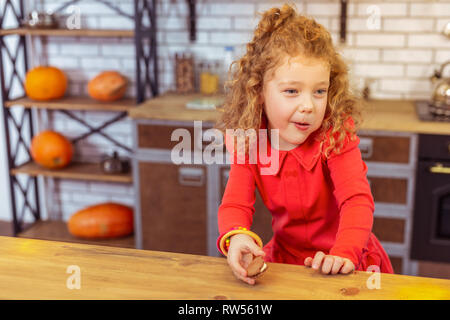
[305, 106]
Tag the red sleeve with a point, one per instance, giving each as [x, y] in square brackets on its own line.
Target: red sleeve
[352, 191]
[237, 207]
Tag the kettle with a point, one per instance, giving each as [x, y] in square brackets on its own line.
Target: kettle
[36, 19]
[115, 164]
[441, 92]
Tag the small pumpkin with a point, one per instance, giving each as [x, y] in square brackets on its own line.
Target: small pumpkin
[102, 221]
[107, 86]
[51, 150]
[45, 83]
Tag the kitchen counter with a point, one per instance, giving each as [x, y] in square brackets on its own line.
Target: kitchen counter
[399, 116]
[385, 115]
[171, 106]
[38, 269]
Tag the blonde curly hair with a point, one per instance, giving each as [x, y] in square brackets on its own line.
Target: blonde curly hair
[281, 32]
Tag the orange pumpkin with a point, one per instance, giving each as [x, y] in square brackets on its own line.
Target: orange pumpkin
[101, 221]
[107, 86]
[45, 83]
[51, 149]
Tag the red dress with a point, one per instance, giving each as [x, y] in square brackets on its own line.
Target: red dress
[317, 204]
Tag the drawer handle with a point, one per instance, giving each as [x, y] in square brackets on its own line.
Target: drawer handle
[192, 177]
[366, 147]
[439, 168]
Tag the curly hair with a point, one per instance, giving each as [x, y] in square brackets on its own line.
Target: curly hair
[281, 32]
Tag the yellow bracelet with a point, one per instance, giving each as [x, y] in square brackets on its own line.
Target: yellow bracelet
[232, 233]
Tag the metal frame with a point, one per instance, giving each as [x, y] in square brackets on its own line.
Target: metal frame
[145, 42]
[17, 190]
[27, 193]
[98, 129]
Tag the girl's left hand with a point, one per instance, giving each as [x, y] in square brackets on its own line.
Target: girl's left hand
[330, 264]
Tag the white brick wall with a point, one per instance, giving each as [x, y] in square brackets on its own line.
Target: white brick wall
[400, 56]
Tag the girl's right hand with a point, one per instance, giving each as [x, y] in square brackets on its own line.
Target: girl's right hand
[240, 254]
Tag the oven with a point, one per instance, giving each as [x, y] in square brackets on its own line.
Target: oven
[431, 222]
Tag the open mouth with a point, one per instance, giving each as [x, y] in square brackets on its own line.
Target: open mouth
[302, 125]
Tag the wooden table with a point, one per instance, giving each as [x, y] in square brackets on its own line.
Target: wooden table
[38, 269]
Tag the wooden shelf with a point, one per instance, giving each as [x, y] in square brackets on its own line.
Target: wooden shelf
[69, 33]
[75, 171]
[57, 231]
[74, 103]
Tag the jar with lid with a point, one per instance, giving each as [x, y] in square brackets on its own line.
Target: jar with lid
[209, 79]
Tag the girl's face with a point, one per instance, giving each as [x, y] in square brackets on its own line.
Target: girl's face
[295, 99]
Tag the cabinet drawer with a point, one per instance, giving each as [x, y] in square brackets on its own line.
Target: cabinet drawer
[434, 269]
[388, 189]
[173, 207]
[385, 148]
[389, 229]
[159, 137]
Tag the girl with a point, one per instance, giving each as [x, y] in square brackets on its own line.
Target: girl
[292, 79]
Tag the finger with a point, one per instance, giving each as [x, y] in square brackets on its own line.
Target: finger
[317, 261]
[248, 280]
[348, 267]
[308, 262]
[337, 265]
[234, 262]
[327, 264]
[256, 250]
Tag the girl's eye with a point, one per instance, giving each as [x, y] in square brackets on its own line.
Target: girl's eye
[321, 91]
[291, 91]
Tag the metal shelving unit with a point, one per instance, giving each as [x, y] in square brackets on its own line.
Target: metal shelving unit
[24, 193]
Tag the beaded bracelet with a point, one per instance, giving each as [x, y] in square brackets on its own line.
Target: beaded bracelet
[225, 239]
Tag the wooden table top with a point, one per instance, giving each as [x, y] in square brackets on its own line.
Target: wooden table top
[38, 269]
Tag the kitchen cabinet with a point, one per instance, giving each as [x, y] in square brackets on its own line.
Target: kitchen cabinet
[391, 161]
[173, 211]
[176, 204]
[172, 198]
